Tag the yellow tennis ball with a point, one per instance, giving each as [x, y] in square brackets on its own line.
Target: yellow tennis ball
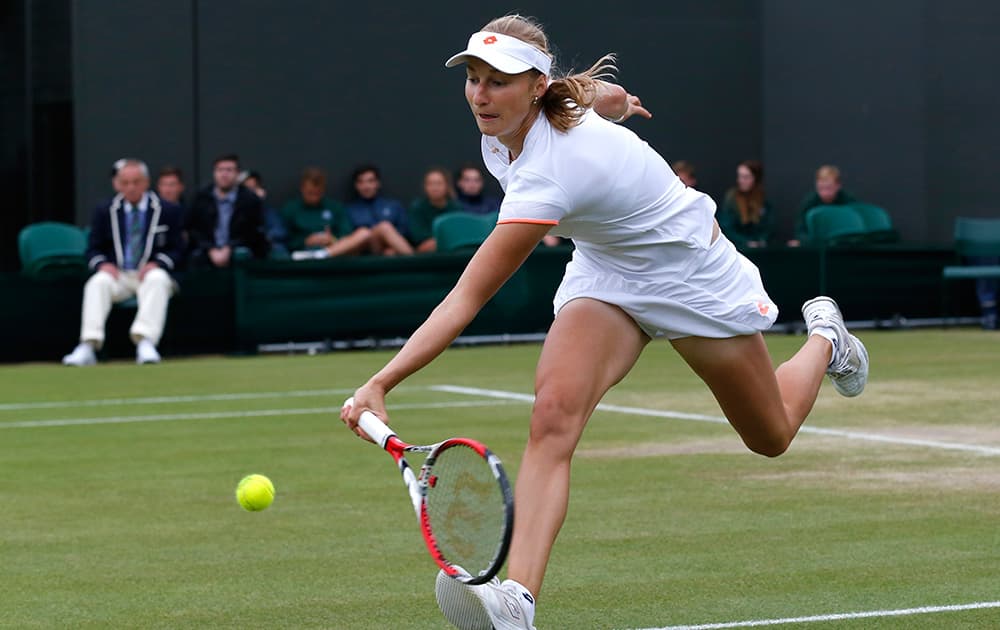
[255, 493]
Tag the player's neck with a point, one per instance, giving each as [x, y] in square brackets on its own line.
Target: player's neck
[514, 144]
[515, 141]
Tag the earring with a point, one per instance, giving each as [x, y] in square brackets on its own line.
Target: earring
[534, 101]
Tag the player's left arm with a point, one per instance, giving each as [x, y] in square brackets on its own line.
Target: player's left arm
[615, 103]
[496, 260]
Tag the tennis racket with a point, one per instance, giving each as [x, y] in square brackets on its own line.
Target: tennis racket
[461, 497]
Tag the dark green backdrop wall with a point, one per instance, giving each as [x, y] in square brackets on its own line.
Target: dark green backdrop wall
[297, 83]
[900, 93]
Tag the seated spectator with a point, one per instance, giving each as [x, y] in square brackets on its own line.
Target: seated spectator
[438, 198]
[469, 189]
[135, 244]
[170, 185]
[225, 217]
[986, 292]
[685, 171]
[386, 218]
[746, 217]
[316, 222]
[274, 227]
[828, 192]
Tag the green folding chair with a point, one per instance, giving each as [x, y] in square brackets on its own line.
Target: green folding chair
[835, 225]
[455, 231]
[48, 248]
[877, 222]
[973, 237]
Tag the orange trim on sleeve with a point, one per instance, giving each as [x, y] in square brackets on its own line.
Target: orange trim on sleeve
[532, 221]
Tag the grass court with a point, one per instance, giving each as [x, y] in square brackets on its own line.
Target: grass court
[119, 511]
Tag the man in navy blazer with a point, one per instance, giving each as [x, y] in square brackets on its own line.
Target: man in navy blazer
[135, 244]
[225, 218]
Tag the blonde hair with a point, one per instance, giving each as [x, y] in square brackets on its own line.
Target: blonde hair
[567, 98]
[828, 171]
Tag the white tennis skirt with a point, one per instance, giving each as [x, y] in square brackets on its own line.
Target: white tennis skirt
[720, 296]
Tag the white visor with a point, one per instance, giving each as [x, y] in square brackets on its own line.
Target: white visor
[507, 54]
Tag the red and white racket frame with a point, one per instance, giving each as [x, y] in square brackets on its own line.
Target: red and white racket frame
[417, 485]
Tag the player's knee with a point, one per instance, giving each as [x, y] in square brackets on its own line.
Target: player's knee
[768, 445]
[555, 421]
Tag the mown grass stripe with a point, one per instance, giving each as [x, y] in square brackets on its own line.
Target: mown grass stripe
[215, 415]
[902, 612]
[657, 413]
[167, 400]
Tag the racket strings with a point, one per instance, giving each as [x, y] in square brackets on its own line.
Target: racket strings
[465, 509]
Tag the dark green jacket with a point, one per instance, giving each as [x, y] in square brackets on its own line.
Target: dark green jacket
[422, 215]
[303, 220]
[737, 231]
[811, 201]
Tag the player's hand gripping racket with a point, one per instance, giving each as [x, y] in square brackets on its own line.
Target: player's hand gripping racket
[462, 499]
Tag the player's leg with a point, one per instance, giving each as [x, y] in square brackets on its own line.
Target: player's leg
[591, 346]
[766, 407]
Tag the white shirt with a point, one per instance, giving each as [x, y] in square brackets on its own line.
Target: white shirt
[141, 206]
[608, 190]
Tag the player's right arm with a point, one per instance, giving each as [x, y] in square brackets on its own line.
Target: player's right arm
[497, 259]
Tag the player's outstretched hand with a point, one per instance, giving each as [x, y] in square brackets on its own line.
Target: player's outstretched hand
[614, 102]
[366, 398]
[635, 108]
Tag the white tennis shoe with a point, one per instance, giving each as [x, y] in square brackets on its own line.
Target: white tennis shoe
[849, 367]
[490, 606]
[145, 352]
[82, 355]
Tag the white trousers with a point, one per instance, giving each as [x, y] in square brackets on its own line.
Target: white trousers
[103, 290]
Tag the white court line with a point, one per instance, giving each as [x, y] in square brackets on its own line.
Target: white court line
[903, 612]
[215, 415]
[160, 400]
[656, 413]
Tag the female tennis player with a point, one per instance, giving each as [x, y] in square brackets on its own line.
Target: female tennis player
[649, 262]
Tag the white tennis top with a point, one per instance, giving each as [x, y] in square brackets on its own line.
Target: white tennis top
[606, 189]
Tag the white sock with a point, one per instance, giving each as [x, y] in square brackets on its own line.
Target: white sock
[527, 599]
[830, 335]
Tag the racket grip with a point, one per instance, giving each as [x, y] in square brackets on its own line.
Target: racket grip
[373, 425]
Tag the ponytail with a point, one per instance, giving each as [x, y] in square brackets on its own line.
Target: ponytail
[568, 98]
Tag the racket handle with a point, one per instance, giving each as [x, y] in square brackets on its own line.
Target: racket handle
[373, 425]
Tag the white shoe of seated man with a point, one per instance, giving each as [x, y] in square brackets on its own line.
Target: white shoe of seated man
[83, 354]
[490, 606]
[145, 352]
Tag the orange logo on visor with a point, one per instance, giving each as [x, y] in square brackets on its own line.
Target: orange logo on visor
[492, 39]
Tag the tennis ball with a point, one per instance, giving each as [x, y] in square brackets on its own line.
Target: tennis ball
[255, 493]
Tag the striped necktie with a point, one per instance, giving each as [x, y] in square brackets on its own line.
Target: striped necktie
[133, 248]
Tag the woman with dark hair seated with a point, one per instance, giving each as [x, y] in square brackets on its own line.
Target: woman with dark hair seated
[746, 217]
